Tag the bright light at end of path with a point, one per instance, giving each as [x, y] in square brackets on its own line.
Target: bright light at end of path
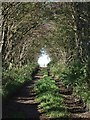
[44, 59]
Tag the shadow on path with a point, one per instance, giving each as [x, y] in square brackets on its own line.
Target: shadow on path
[23, 104]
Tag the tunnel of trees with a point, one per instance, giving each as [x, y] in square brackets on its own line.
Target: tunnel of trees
[63, 29]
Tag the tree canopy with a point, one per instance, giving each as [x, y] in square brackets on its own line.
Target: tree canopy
[62, 28]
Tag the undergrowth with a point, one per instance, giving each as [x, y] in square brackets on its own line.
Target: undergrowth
[76, 74]
[14, 78]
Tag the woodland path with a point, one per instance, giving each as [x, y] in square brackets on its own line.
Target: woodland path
[23, 106]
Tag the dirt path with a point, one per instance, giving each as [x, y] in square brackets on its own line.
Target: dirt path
[22, 105]
[75, 105]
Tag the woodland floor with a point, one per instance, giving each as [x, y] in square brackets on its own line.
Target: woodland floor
[22, 105]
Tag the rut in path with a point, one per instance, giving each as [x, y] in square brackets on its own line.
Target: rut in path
[23, 104]
[75, 105]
